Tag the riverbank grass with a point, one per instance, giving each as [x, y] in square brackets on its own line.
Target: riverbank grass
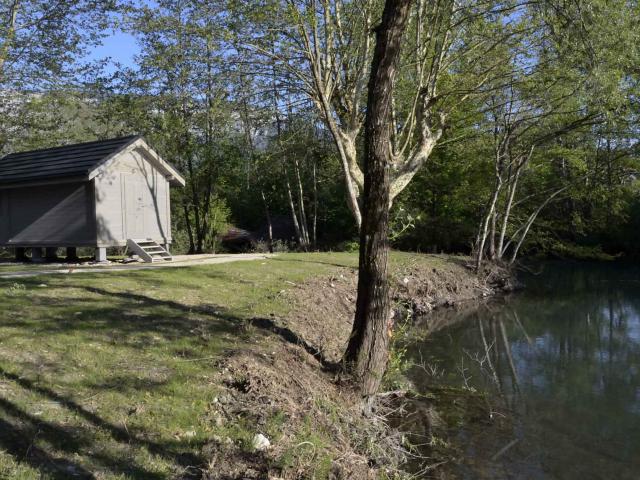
[116, 374]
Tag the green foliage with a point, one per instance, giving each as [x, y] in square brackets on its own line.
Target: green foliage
[235, 124]
[395, 375]
[579, 252]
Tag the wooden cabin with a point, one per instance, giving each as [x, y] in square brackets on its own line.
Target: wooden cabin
[101, 194]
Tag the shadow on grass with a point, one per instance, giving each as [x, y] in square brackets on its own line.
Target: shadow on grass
[264, 324]
[18, 433]
[129, 319]
[290, 336]
[18, 438]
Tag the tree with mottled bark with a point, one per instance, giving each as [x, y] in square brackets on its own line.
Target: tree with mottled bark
[323, 48]
[367, 353]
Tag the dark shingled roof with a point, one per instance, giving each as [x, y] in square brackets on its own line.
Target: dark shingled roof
[56, 163]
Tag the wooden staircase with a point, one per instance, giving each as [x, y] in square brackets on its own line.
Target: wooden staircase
[148, 250]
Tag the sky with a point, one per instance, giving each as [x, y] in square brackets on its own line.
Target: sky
[120, 46]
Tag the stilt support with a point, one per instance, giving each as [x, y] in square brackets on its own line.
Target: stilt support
[101, 254]
[51, 254]
[36, 255]
[72, 254]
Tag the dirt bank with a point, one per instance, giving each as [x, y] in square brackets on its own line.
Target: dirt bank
[289, 389]
[323, 308]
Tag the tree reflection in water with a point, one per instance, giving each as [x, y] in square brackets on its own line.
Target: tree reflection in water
[563, 359]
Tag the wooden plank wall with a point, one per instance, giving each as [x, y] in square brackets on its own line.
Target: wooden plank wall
[56, 215]
[132, 201]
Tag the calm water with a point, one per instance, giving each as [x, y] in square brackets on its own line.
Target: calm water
[562, 363]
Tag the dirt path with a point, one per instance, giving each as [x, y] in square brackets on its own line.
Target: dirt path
[178, 261]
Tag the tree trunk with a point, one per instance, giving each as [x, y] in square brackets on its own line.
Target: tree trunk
[269, 225]
[367, 352]
[192, 245]
[530, 222]
[492, 236]
[294, 215]
[483, 230]
[9, 36]
[304, 229]
[507, 214]
[314, 221]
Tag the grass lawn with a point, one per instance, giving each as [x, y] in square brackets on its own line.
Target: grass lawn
[111, 375]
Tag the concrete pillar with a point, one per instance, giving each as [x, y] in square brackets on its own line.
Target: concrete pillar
[72, 254]
[36, 255]
[101, 254]
[51, 253]
[20, 254]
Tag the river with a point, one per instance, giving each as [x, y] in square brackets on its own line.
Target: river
[560, 365]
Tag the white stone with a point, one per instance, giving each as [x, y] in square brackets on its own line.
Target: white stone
[260, 442]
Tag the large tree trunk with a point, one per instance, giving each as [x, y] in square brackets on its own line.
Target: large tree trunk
[367, 353]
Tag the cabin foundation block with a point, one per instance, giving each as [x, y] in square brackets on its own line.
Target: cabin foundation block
[101, 254]
[72, 254]
[36, 255]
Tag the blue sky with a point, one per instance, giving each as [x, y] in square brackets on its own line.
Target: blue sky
[120, 46]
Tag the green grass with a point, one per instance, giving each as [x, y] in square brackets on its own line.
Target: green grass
[114, 374]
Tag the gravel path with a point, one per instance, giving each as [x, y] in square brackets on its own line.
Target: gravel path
[178, 261]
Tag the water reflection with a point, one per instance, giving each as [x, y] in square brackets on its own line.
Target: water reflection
[564, 358]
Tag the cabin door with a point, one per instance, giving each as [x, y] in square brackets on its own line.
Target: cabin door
[134, 191]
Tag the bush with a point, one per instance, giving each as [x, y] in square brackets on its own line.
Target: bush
[581, 252]
[279, 246]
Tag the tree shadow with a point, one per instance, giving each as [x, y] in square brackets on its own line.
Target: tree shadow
[131, 319]
[293, 338]
[17, 438]
[264, 324]
[72, 442]
[52, 447]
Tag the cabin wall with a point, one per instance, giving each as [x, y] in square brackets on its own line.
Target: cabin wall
[47, 215]
[132, 201]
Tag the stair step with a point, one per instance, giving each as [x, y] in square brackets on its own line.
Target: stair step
[149, 250]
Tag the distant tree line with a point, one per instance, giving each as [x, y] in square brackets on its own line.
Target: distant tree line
[513, 127]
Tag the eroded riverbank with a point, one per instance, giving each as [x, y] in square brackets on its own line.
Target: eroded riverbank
[291, 376]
